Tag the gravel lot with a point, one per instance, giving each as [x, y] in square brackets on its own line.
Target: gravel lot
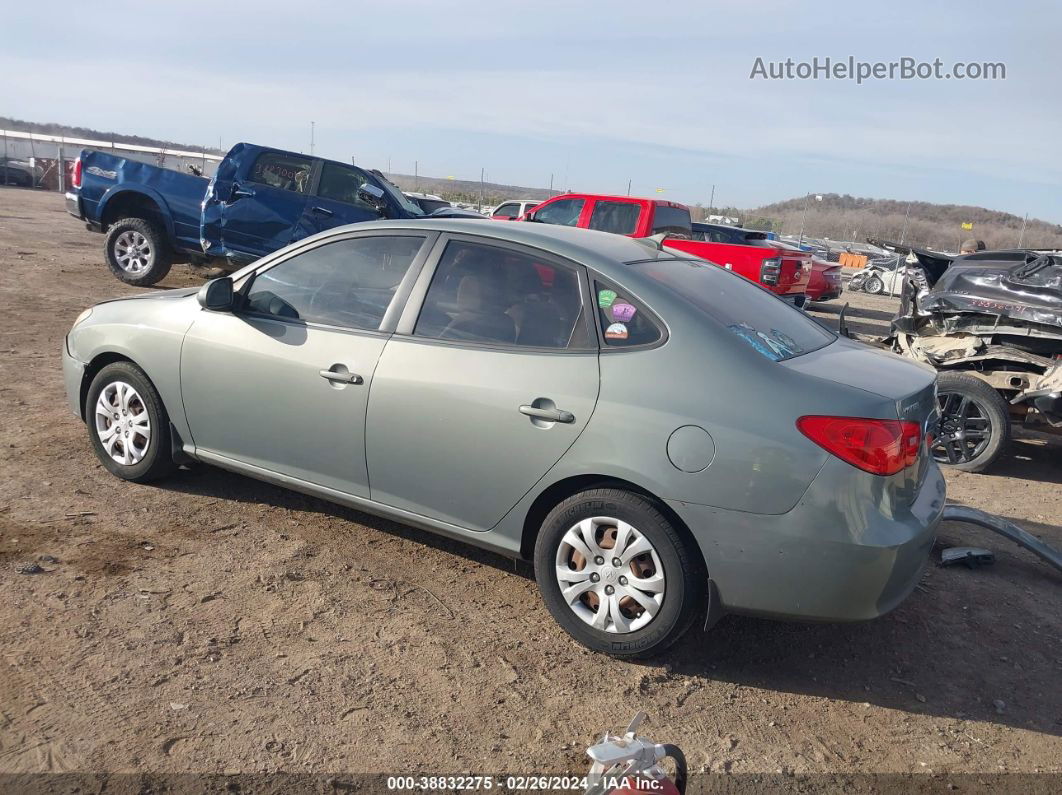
[214, 623]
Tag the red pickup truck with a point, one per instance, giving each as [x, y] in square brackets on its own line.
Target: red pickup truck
[782, 271]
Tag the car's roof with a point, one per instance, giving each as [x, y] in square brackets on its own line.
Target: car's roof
[601, 249]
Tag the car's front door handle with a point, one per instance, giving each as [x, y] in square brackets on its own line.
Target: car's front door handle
[322, 211]
[550, 415]
[342, 377]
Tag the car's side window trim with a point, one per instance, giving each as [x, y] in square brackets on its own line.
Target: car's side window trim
[643, 306]
[398, 300]
[415, 303]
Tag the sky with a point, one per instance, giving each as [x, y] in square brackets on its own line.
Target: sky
[591, 94]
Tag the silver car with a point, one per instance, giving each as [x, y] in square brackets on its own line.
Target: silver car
[662, 438]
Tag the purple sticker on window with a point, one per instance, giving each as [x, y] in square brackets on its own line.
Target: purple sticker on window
[623, 312]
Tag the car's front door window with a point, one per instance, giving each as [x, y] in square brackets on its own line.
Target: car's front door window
[564, 212]
[341, 183]
[346, 283]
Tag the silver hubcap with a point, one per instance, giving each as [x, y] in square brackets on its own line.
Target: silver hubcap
[122, 423]
[610, 575]
[133, 251]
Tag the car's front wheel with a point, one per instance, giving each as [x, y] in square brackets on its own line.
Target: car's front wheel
[616, 575]
[128, 424]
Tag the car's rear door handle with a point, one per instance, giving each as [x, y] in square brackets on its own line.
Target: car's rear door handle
[550, 415]
[321, 211]
[342, 377]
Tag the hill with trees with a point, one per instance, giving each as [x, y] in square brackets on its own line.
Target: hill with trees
[845, 217]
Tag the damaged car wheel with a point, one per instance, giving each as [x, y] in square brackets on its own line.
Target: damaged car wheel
[974, 427]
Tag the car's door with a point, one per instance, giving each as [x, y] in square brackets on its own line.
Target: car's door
[336, 200]
[491, 376]
[281, 383]
[262, 209]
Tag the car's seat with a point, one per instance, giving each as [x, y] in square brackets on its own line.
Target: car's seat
[480, 315]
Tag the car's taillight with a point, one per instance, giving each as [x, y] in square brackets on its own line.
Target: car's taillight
[771, 270]
[75, 177]
[881, 447]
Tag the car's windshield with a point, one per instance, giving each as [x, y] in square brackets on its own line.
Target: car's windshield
[767, 323]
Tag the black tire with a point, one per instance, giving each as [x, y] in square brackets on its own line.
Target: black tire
[974, 428]
[874, 285]
[685, 579]
[153, 259]
[157, 457]
[856, 282]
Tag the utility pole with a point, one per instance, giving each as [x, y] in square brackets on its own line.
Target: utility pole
[628, 187]
[1021, 234]
[481, 190]
[711, 202]
[311, 137]
[803, 216]
[551, 185]
[416, 175]
[906, 215]
[388, 164]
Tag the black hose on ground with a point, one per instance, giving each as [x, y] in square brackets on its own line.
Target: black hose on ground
[680, 766]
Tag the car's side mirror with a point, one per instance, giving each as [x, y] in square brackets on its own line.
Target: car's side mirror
[216, 294]
[373, 196]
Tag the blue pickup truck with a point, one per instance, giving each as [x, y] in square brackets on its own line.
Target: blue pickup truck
[259, 200]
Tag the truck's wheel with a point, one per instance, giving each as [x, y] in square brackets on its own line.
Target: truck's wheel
[974, 425]
[137, 252]
[616, 575]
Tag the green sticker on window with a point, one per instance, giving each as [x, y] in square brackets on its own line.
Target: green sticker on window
[605, 298]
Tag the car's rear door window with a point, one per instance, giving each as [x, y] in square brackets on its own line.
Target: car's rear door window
[618, 217]
[488, 294]
[510, 210]
[768, 324]
[346, 283]
[284, 171]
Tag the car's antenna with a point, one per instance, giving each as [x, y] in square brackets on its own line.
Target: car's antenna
[654, 241]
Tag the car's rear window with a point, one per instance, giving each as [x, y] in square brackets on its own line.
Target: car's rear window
[767, 323]
[674, 221]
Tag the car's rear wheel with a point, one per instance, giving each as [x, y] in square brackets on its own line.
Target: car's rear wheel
[127, 423]
[874, 285]
[616, 575]
[974, 427]
[137, 252]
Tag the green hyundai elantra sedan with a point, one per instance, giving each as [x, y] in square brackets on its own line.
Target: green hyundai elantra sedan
[663, 439]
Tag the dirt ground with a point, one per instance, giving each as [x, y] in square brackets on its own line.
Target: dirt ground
[214, 623]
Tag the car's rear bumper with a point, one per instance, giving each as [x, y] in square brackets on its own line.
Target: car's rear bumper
[73, 204]
[839, 555]
[73, 374]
